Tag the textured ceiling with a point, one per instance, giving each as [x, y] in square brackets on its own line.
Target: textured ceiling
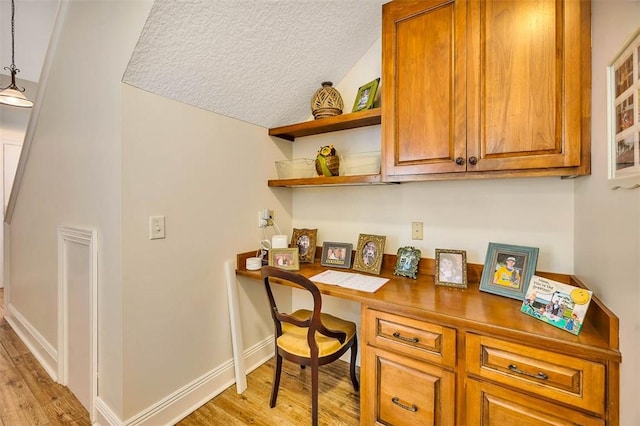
[259, 61]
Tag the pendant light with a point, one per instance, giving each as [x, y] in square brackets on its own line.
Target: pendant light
[12, 95]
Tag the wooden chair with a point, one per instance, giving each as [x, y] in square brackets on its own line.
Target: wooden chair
[308, 338]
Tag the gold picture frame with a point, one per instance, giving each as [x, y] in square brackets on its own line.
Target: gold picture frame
[284, 258]
[451, 268]
[369, 253]
[305, 241]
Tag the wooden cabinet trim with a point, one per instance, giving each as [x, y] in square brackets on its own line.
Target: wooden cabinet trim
[486, 400]
[558, 377]
[418, 339]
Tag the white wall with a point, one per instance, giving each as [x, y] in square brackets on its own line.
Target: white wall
[607, 223]
[13, 124]
[73, 176]
[465, 215]
[207, 175]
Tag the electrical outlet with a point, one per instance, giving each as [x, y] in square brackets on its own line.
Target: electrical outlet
[264, 216]
[416, 230]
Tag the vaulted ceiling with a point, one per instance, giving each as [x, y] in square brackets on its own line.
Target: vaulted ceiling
[259, 61]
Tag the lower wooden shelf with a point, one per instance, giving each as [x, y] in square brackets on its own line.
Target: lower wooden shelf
[327, 181]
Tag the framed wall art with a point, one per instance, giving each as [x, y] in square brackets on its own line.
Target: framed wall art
[451, 268]
[369, 253]
[366, 96]
[407, 262]
[336, 255]
[305, 241]
[508, 270]
[623, 94]
[285, 258]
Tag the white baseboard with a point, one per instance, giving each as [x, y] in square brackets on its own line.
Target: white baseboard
[41, 349]
[104, 415]
[189, 398]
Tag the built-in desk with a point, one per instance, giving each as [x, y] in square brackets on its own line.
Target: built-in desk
[463, 356]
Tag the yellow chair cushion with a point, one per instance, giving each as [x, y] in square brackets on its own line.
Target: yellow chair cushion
[294, 339]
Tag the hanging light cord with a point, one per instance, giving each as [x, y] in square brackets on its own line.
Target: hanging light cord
[12, 69]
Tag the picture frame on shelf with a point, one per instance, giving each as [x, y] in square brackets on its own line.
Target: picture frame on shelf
[623, 104]
[369, 252]
[284, 258]
[407, 259]
[305, 241]
[451, 268]
[366, 96]
[508, 269]
[336, 255]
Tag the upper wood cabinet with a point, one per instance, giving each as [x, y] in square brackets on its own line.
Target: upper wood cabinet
[485, 88]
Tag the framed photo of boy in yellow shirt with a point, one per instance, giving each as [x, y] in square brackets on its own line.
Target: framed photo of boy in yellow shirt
[508, 270]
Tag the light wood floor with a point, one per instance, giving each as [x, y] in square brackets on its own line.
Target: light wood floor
[29, 397]
[338, 403]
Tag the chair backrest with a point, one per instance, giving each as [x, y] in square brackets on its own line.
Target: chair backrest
[314, 323]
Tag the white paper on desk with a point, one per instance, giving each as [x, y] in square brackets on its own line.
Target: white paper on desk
[349, 280]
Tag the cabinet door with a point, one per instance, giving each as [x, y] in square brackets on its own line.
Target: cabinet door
[398, 390]
[528, 85]
[424, 86]
[491, 405]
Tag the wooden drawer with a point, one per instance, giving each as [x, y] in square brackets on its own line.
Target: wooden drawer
[419, 339]
[408, 392]
[562, 378]
[493, 405]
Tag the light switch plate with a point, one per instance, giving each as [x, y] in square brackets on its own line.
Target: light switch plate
[156, 227]
[416, 230]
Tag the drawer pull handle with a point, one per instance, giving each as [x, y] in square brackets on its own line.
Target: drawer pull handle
[406, 339]
[396, 401]
[540, 374]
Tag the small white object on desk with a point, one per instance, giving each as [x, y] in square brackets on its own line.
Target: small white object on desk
[254, 263]
[279, 241]
[350, 280]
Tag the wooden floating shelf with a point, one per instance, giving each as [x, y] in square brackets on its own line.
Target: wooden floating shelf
[326, 181]
[352, 120]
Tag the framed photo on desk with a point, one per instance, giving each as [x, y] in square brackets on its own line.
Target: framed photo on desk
[284, 258]
[508, 270]
[451, 268]
[407, 262]
[336, 255]
[305, 241]
[369, 253]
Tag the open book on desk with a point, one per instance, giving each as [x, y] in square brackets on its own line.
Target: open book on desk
[350, 280]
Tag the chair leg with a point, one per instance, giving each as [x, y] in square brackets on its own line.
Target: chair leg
[276, 379]
[354, 354]
[314, 392]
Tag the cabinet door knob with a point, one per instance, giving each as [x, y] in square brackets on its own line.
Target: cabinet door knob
[459, 161]
[473, 161]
